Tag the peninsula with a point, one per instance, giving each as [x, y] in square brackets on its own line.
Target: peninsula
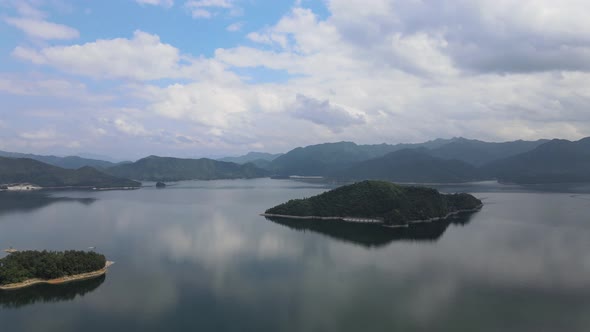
[377, 202]
[22, 269]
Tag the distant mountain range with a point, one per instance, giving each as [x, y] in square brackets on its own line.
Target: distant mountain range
[552, 162]
[155, 168]
[442, 160]
[436, 161]
[412, 165]
[69, 162]
[252, 157]
[478, 153]
[23, 170]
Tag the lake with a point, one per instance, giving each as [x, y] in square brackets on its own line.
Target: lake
[197, 256]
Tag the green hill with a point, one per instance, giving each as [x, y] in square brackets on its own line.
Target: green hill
[478, 153]
[155, 168]
[22, 170]
[557, 161]
[330, 158]
[252, 157]
[412, 165]
[394, 204]
[69, 162]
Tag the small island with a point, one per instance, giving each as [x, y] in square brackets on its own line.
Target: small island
[22, 269]
[160, 184]
[378, 202]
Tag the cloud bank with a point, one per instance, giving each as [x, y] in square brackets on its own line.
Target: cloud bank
[370, 72]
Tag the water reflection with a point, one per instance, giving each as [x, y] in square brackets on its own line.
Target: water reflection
[199, 257]
[26, 202]
[370, 235]
[44, 293]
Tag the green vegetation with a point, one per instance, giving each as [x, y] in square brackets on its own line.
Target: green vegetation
[69, 162]
[324, 159]
[391, 203]
[175, 169]
[553, 162]
[329, 158]
[35, 172]
[252, 157]
[478, 153]
[412, 165]
[23, 265]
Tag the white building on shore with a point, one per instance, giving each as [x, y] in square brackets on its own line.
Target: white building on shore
[19, 187]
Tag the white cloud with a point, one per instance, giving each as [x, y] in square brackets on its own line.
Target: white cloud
[209, 8]
[143, 57]
[235, 27]
[37, 28]
[36, 85]
[324, 113]
[163, 3]
[27, 10]
[386, 71]
[209, 104]
[422, 53]
[129, 127]
[40, 135]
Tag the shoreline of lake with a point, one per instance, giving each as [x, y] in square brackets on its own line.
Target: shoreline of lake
[364, 220]
[57, 281]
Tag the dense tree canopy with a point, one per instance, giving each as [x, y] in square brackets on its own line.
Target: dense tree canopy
[23, 265]
[392, 203]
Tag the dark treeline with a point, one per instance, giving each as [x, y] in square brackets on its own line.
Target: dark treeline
[23, 265]
[391, 203]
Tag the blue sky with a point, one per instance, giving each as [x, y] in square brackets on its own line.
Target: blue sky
[130, 78]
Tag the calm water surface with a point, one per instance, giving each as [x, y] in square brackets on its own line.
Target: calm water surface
[197, 256]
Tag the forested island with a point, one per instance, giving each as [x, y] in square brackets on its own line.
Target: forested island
[26, 268]
[378, 202]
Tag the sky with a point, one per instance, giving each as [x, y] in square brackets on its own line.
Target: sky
[191, 78]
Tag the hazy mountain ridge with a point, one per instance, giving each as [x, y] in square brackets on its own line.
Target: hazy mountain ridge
[329, 158]
[436, 161]
[155, 168]
[24, 170]
[412, 165]
[551, 162]
[69, 162]
[252, 157]
[479, 153]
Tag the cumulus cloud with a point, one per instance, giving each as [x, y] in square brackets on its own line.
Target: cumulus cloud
[386, 71]
[129, 127]
[323, 113]
[212, 105]
[483, 36]
[143, 57]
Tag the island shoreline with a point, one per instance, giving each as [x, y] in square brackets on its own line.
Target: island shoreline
[361, 220]
[58, 281]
